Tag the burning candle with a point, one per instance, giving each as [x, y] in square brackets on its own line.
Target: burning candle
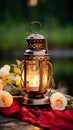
[34, 83]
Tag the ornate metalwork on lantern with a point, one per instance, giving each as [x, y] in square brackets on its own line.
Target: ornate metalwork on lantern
[38, 71]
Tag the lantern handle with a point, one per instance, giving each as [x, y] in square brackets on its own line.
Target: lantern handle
[35, 22]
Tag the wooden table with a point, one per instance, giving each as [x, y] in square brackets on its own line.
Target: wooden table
[7, 123]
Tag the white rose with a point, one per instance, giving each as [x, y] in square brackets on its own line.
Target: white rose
[4, 70]
[6, 99]
[58, 101]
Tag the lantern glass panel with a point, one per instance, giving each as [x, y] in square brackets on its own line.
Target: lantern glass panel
[35, 81]
[32, 76]
[45, 75]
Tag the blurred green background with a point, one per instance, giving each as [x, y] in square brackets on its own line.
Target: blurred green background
[56, 17]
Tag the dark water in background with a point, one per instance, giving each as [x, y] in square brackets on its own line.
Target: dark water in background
[63, 74]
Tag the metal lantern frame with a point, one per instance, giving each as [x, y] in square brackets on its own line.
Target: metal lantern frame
[36, 63]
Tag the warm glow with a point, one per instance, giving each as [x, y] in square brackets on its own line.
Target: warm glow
[45, 80]
[32, 2]
[35, 81]
[45, 76]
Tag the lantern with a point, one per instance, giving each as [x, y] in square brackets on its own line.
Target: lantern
[38, 73]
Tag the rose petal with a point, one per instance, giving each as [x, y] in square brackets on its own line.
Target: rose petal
[58, 101]
[4, 70]
[6, 99]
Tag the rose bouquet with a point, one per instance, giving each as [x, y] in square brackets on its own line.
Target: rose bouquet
[11, 85]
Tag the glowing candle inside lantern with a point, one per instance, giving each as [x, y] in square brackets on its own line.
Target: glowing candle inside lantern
[34, 83]
[33, 80]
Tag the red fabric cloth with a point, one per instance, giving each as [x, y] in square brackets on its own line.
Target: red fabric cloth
[44, 117]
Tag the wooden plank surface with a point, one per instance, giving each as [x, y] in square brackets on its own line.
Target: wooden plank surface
[7, 123]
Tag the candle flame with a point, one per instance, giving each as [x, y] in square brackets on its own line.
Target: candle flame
[36, 81]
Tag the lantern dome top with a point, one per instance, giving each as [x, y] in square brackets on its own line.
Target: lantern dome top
[35, 36]
[35, 41]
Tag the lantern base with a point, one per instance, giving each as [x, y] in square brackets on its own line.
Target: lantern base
[36, 101]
